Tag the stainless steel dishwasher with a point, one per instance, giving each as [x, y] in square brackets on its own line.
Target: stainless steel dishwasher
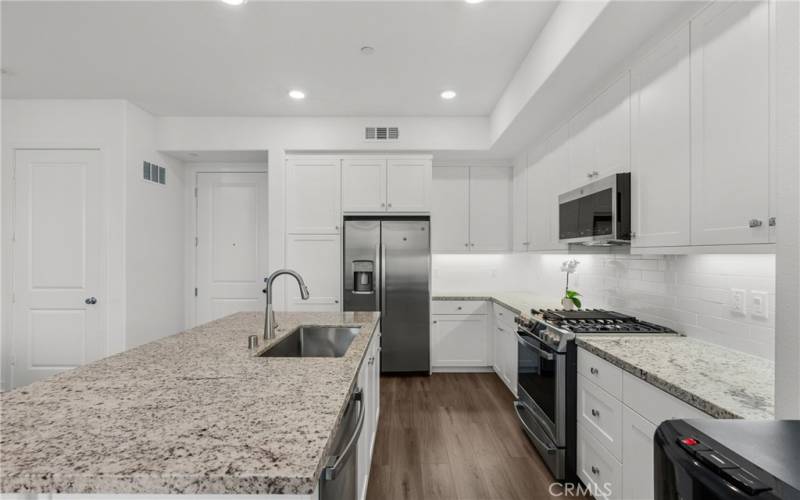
[338, 478]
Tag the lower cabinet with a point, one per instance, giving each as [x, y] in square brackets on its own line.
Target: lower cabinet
[369, 379]
[617, 418]
[505, 347]
[459, 341]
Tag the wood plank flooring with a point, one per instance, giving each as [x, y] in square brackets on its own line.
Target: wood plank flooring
[453, 437]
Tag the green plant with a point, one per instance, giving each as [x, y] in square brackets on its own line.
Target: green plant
[572, 295]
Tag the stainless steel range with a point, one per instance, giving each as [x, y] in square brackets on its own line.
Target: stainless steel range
[547, 376]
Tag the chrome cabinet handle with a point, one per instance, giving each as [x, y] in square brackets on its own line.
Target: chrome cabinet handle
[595, 413]
[595, 470]
[390, 205]
[335, 301]
[91, 301]
[472, 244]
[466, 244]
[756, 223]
[383, 205]
[458, 308]
[772, 221]
[593, 370]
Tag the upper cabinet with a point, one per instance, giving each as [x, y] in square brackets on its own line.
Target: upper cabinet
[471, 209]
[548, 176]
[364, 185]
[519, 212]
[661, 145]
[730, 124]
[599, 136]
[313, 195]
[372, 185]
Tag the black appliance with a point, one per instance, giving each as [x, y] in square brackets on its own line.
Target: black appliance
[547, 377]
[598, 213]
[727, 459]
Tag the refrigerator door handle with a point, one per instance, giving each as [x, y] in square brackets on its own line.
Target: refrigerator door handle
[383, 281]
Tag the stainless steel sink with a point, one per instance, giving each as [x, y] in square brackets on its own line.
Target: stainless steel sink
[313, 342]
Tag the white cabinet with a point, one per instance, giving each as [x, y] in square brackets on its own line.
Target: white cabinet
[317, 258]
[450, 210]
[471, 209]
[369, 383]
[490, 209]
[313, 195]
[408, 185]
[637, 455]
[730, 124]
[599, 143]
[617, 417]
[504, 347]
[519, 200]
[364, 185]
[371, 184]
[547, 178]
[661, 145]
[459, 335]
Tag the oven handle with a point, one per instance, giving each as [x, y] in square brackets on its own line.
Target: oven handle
[546, 355]
[548, 449]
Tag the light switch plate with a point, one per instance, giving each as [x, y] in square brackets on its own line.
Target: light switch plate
[758, 304]
[738, 297]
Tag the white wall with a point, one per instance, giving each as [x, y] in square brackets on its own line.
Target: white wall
[461, 273]
[154, 242]
[91, 124]
[689, 293]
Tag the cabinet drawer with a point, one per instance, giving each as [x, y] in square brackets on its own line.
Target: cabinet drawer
[459, 307]
[503, 317]
[601, 372]
[597, 468]
[654, 404]
[601, 415]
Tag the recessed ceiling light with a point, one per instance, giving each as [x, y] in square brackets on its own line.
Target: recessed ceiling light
[367, 50]
[448, 94]
[297, 94]
[235, 2]
[473, 1]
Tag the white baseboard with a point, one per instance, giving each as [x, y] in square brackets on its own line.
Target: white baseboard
[462, 369]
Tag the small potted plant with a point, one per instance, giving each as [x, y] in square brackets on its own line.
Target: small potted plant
[570, 299]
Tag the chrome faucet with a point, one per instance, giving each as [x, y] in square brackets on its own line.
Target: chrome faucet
[269, 320]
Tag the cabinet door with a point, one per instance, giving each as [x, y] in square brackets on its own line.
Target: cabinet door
[519, 213]
[581, 151]
[637, 455]
[408, 185]
[490, 209]
[317, 257]
[611, 129]
[510, 348]
[498, 353]
[313, 195]
[363, 458]
[459, 341]
[450, 210]
[364, 185]
[547, 179]
[661, 145]
[730, 123]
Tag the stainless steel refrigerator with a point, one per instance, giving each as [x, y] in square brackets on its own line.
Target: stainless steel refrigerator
[387, 264]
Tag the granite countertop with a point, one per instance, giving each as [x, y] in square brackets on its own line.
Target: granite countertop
[191, 413]
[519, 303]
[721, 382]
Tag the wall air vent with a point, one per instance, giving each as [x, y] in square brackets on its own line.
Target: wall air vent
[380, 134]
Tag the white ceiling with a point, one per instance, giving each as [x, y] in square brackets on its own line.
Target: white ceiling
[210, 59]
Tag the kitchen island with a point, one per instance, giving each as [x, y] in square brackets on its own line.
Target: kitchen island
[193, 413]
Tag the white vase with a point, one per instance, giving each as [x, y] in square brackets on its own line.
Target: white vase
[567, 304]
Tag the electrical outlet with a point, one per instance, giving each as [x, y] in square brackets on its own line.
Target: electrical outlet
[758, 304]
[738, 301]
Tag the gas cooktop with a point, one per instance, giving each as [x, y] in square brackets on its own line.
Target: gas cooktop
[597, 321]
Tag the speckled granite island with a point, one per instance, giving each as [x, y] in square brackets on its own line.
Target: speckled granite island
[190, 413]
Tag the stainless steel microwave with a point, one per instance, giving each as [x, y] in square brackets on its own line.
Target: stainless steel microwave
[598, 213]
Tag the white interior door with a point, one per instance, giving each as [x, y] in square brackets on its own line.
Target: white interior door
[59, 263]
[231, 243]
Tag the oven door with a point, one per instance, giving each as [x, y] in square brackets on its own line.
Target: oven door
[541, 372]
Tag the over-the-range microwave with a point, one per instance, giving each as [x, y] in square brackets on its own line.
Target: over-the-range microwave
[598, 213]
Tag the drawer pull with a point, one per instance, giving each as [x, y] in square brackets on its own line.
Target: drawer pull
[595, 470]
[458, 308]
[594, 371]
[595, 413]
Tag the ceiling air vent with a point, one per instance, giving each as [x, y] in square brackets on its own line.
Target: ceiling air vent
[374, 134]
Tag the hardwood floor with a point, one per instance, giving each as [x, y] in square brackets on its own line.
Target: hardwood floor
[453, 437]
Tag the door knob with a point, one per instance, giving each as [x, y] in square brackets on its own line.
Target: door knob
[91, 301]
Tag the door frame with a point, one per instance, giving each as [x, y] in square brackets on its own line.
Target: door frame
[8, 246]
[190, 203]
